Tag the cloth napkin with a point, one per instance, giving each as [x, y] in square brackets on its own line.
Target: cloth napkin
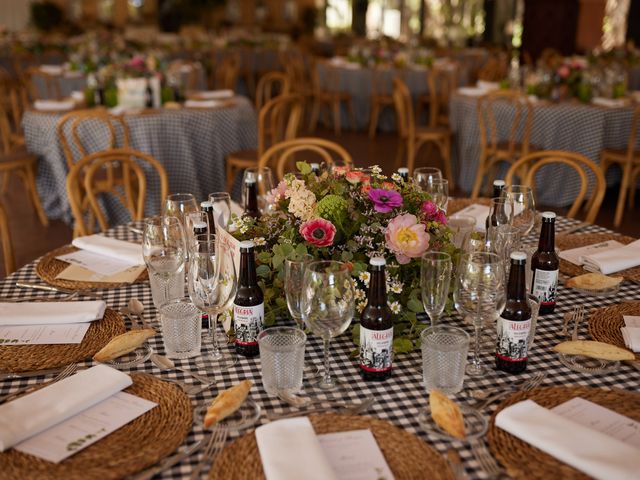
[40, 410]
[592, 452]
[609, 102]
[214, 94]
[203, 103]
[290, 450]
[477, 211]
[611, 261]
[50, 313]
[52, 69]
[130, 253]
[53, 105]
[631, 337]
[472, 91]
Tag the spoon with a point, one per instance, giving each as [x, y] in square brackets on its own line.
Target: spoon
[136, 308]
[164, 363]
[485, 393]
[292, 399]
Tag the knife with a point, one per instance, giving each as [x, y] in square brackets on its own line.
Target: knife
[167, 463]
[47, 288]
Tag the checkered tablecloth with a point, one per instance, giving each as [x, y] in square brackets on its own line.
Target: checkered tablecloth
[585, 129]
[399, 399]
[191, 144]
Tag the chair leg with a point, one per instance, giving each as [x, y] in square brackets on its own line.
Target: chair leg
[5, 182]
[336, 116]
[373, 121]
[624, 185]
[315, 113]
[477, 184]
[411, 156]
[445, 151]
[352, 115]
[32, 190]
[7, 247]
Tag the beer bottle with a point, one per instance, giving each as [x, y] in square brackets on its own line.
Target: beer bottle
[514, 323]
[248, 306]
[493, 219]
[207, 207]
[149, 95]
[545, 264]
[251, 195]
[315, 168]
[200, 228]
[376, 327]
[404, 173]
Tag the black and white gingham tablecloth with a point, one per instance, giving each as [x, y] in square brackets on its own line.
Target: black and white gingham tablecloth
[585, 129]
[191, 144]
[399, 399]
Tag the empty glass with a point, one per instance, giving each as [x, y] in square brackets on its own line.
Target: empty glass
[506, 240]
[191, 220]
[179, 205]
[294, 268]
[462, 226]
[180, 323]
[425, 176]
[435, 278]
[221, 207]
[439, 191]
[500, 213]
[444, 356]
[282, 359]
[264, 184]
[524, 208]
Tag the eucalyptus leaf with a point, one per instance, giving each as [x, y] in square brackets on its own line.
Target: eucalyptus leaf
[402, 345]
[263, 271]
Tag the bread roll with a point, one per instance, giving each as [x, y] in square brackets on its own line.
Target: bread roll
[447, 414]
[594, 281]
[227, 402]
[589, 348]
[123, 344]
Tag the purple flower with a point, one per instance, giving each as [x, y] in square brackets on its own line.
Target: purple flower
[429, 208]
[440, 217]
[385, 200]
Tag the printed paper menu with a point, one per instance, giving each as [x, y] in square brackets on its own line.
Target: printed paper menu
[43, 334]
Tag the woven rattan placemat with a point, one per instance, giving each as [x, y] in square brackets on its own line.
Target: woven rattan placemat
[457, 204]
[128, 450]
[408, 456]
[605, 323]
[49, 267]
[21, 358]
[524, 461]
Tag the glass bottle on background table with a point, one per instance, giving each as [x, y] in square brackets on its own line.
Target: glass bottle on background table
[207, 208]
[514, 323]
[545, 265]
[404, 173]
[251, 195]
[248, 306]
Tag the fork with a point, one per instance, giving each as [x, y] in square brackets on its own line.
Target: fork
[578, 318]
[527, 386]
[569, 316]
[352, 408]
[485, 459]
[69, 370]
[189, 389]
[214, 447]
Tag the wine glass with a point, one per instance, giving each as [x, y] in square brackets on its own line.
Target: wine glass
[264, 184]
[192, 220]
[506, 240]
[435, 279]
[424, 176]
[212, 284]
[500, 213]
[439, 191]
[327, 306]
[462, 226]
[524, 208]
[479, 293]
[179, 205]
[294, 268]
[164, 251]
[221, 208]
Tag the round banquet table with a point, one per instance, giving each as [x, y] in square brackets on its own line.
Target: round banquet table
[398, 400]
[191, 144]
[586, 129]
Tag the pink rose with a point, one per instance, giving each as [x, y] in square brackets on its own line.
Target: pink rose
[429, 208]
[564, 71]
[318, 232]
[406, 237]
[338, 171]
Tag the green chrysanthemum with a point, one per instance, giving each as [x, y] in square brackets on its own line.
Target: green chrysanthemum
[332, 208]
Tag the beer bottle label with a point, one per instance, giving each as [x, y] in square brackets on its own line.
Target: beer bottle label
[376, 349]
[247, 323]
[512, 340]
[545, 283]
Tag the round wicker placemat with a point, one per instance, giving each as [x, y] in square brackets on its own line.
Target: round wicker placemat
[605, 323]
[457, 204]
[21, 358]
[524, 461]
[128, 450]
[408, 456]
[567, 242]
[49, 267]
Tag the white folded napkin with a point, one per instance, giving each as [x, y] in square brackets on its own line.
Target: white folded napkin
[609, 102]
[127, 252]
[487, 86]
[77, 96]
[611, 261]
[477, 211]
[215, 94]
[50, 313]
[471, 91]
[53, 105]
[592, 452]
[631, 337]
[52, 69]
[203, 103]
[44, 408]
[290, 450]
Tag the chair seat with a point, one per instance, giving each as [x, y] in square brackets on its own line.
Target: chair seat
[17, 157]
[332, 96]
[382, 98]
[619, 155]
[432, 132]
[243, 157]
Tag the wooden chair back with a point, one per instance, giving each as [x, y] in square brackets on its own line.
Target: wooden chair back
[381, 81]
[19, 99]
[270, 86]
[85, 184]
[533, 162]
[7, 246]
[442, 81]
[404, 109]
[278, 120]
[227, 72]
[50, 82]
[633, 135]
[294, 66]
[330, 81]
[281, 156]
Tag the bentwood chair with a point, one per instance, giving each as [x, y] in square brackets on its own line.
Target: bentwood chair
[278, 120]
[298, 70]
[227, 71]
[629, 161]
[381, 95]
[494, 150]
[442, 82]
[86, 184]
[585, 168]
[49, 82]
[280, 157]
[7, 246]
[270, 86]
[412, 138]
[328, 94]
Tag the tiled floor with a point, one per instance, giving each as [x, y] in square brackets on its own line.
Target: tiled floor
[31, 239]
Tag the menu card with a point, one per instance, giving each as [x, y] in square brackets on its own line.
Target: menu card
[100, 264]
[575, 255]
[43, 334]
[78, 432]
[631, 321]
[479, 212]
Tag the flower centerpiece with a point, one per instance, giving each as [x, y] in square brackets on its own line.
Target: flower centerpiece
[350, 215]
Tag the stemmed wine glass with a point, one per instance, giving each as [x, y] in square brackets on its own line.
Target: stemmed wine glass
[212, 284]
[327, 306]
[439, 191]
[500, 213]
[435, 279]
[264, 184]
[425, 176]
[179, 205]
[221, 208]
[524, 207]
[294, 268]
[479, 293]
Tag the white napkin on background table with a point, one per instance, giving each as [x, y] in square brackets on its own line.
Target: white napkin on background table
[130, 253]
[53, 105]
[611, 261]
[290, 450]
[592, 452]
[214, 94]
[609, 102]
[50, 313]
[52, 69]
[631, 332]
[203, 103]
[42, 409]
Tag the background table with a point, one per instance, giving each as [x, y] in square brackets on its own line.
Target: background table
[191, 144]
[399, 399]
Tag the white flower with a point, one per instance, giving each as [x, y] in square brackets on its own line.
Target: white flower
[365, 277]
[259, 241]
[360, 306]
[396, 287]
[360, 294]
[302, 200]
[395, 307]
[396, 178]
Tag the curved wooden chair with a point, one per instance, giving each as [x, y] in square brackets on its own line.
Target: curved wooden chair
[270, 86]
[295, 66]
[7, 246]
[280, 157]
[442, 81]
[227, 72]
[492, 150]
[629, 161]
[85, 184]
[50, 83]
[188, 70]
[412, 138]
[533, 162]
[278, 120]
[381, 96]
[330, 95]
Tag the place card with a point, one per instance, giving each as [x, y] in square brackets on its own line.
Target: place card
[575, 255]
[100, 264]
[477, 211]
[355, 455]
[78, 432]
[632, 321]
[601, 419]
[81, 274]
[43, 334]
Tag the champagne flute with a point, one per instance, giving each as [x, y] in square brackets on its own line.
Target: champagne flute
[212, 284]
[264, 184]
[435, 279]
[221, 208]
[479, 293]
[294, 268]
[524, 207]
[179, 205]
[327, 306]
[424, 176]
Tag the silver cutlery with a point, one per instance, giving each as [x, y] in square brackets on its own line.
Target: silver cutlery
[167, 462]
[188, 388]
[68, 371]
[215, 445]
[134, 321]
[51, 288]
[485, 459]
[293, 399]
[136, 308]
[164, 363]
[137, 231]
[527, 386]
[29, 373]
[577, 318]
[484, 393]
[352, 408]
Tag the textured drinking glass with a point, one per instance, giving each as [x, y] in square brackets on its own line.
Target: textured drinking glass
[179, 205]
[221, 208]
[524, 207]
[180, 323]
[293, 275]
[444, 357]
[264, 185]
[435, 279]
[282, 359]
[425, 176]
[163, 290]
[461, 226]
